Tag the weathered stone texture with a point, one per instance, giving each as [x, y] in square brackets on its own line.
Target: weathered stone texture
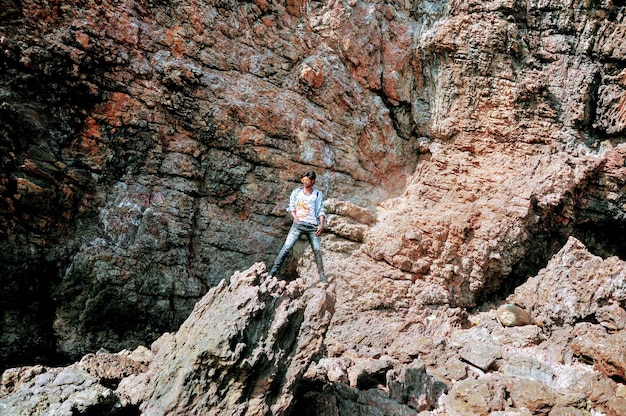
[469, 150]
[243, 349]
[573, 287]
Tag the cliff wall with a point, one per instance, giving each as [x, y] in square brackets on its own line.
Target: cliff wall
[148, 149]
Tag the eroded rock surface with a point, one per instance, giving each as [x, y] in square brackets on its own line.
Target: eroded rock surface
[556, 300]
[256, 346]
[224, 349]
[243, 350]
[147, 151]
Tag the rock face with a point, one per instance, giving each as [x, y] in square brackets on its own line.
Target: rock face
[148, 148]
[555, 301]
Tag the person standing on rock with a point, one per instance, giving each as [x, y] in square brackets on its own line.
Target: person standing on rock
[306, 206]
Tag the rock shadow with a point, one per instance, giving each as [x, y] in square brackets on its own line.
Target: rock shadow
[594, 213]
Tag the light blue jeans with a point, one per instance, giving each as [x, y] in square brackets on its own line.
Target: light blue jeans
[294, 234]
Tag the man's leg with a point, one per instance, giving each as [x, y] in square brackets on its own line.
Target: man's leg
[290, 241]
[316, 245]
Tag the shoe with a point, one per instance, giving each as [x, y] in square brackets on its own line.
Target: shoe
[271, 274]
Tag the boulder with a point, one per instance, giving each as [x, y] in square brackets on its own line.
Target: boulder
[243, 349]
[512, 315]
[574, 286]
[606, 350]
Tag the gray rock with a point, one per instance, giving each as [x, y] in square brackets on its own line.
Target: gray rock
[242, 351]
[68, 391]
[480, 354]
[411, 385]
[527, 367]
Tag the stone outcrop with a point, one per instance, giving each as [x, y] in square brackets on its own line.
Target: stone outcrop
[243, 350]
[250, 361]
[556, 301]
[149, 149]
[483, 366]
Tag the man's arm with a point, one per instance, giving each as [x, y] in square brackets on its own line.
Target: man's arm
[293, 199]
[321, 213]
[320, 227]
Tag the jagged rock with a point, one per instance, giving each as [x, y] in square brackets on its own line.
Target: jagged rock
[110, 368]
[539, 398]
[411, 385]
[567, 411]
[349, 209]
[480, 354]
[334, 369]
[187, 126]
[351, 401]
[604, 349]
[540, 362]
[593, 385]
[82, 388]
[527, 367]
[612, 317]
[365, 373]
[477, 397]
[341, 399]
[509, 394]
[381, 387]
[454, 369]
[573, 286]
[65, 391]
[616, 406]
[14, 378]
[243, 350]
[147, 150]
[520, 412]
[524, 336]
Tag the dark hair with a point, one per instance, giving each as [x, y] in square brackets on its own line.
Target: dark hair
[310, 174]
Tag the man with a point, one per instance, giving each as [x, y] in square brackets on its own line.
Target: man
[306, 206]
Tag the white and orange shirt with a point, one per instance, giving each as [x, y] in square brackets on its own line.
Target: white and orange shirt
[308, 208]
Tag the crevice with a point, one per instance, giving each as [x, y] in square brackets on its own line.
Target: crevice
[28, 311]
[604, 239]
[548, 236]
[593, 213]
